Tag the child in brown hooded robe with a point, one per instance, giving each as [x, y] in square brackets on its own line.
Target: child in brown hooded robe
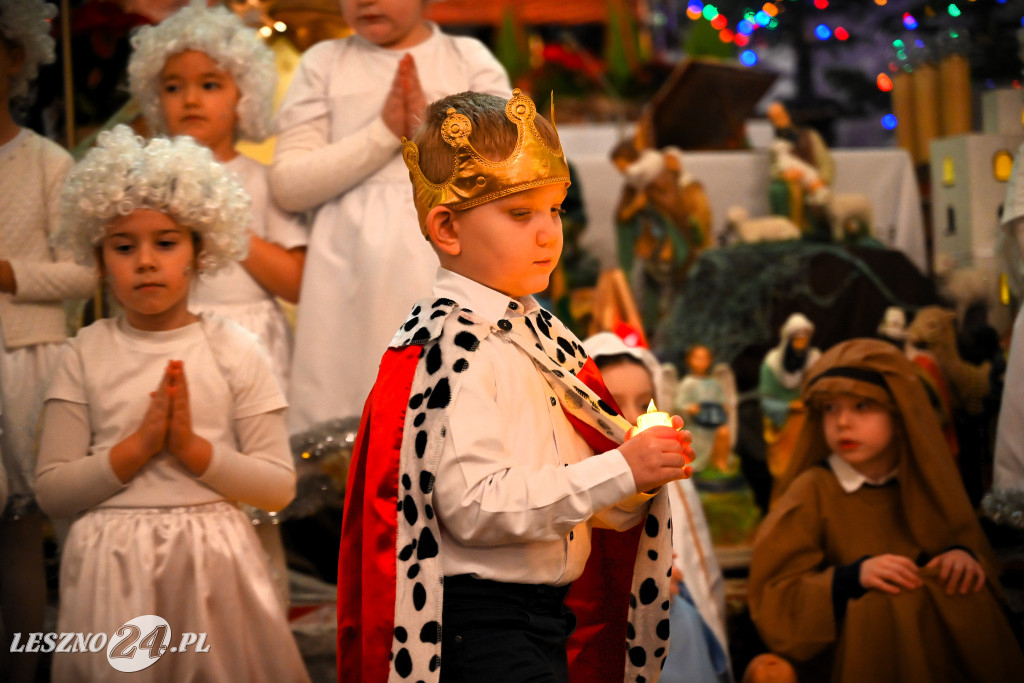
[871, 564]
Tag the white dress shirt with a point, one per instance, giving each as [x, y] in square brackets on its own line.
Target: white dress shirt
[851, 479]
[517, 488]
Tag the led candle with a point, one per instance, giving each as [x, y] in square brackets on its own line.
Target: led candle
[652, 418]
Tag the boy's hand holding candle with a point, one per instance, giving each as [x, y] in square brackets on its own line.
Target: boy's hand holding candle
[657, 450]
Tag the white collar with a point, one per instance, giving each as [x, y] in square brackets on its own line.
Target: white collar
[489, 304]
[850, 479]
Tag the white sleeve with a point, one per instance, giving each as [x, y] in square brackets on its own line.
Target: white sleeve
[483, 498]
[70, 477]
[261, 472]
[59, 277]
[308, 168]
[626, 514]
[486, 74]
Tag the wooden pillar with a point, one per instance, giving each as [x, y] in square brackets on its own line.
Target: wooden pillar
[927, 119]
[955, 83]
[903, 109]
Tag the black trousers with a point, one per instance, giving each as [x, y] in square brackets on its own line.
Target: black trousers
[495, 632]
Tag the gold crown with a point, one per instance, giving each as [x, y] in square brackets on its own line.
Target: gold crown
[476, 180]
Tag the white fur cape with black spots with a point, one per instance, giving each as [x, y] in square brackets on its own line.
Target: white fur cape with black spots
[390, 583]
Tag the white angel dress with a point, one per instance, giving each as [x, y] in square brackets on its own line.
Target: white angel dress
[367, 262]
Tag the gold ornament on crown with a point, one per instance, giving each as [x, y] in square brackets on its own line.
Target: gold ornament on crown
[476, 180]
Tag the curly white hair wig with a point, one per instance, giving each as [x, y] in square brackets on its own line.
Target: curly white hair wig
[25, 23]
[177, 176]
[221, 35]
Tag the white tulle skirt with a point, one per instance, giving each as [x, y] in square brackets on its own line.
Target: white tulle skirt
[201, 569]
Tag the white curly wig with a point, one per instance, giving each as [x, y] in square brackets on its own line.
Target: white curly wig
[221, 35]
[176, 176]
[25, 23]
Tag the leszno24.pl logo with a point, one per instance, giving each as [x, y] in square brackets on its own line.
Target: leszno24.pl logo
[138, 644]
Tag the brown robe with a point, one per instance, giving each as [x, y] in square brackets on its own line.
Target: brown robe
[814, 526]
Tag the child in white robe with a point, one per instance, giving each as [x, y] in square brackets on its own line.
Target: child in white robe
[339, 137]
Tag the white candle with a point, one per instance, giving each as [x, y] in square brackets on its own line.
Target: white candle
[652, 418]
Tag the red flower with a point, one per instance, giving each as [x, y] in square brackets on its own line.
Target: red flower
[572, 59]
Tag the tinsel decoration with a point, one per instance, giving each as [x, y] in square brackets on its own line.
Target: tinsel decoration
[322, 454]
[1005, 506]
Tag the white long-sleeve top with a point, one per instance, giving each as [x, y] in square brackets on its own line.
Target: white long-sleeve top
[100, 392]
[32, 172]
[517, 488]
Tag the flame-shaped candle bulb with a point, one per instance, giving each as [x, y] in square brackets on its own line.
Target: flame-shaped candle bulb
[652, 418]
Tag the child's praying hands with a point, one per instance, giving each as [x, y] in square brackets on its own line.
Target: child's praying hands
[405, 102]
[191, 449]
[128, 456]
[415, 99]
[167, 424]
[152, 433]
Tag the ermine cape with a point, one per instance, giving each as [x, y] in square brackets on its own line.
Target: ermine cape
[390, 578]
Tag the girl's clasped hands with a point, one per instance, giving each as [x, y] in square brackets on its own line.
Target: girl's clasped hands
[167, 424]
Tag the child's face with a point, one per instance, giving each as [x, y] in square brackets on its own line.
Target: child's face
[149, 262]
[511, 244]
[631, 386]
[394, 24]
[800, 341]
[699, 361]
[200, 99]
[860, 431]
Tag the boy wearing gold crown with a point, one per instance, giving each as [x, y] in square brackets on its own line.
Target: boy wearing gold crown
[489, 448]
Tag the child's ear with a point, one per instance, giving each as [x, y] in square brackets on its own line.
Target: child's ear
[442, 232]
